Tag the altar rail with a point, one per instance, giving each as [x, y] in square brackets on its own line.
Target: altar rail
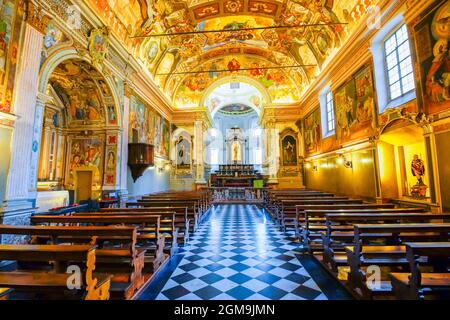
[236, 195]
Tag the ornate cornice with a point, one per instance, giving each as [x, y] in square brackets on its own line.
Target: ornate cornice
[279, 113]
[183, 117]
[36, 16]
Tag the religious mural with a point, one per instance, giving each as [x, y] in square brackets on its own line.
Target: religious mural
[11, 17]
[183, 153]
[278, 83]
[87, 154]
[53, 38]
[355, 114]
[82, 90]
[289, 151]
[208, 32]
[148, 126]
[355, 107]
[432, 36]
[312, 132]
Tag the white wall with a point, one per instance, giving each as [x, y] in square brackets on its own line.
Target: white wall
[151, 181]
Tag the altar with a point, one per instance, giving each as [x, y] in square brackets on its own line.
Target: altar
[237, 175]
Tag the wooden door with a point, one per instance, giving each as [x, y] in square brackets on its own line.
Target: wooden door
[84, 185]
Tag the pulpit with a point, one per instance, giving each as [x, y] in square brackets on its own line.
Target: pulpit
[140, 157]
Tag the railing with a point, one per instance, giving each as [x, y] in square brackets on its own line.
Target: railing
[236, 194]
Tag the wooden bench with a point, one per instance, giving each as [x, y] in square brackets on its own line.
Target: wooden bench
[312, 224]
[274, 204]
[148, 238]
[315, 214]
[432, 283]
[182, 221]
[167, 224]
[192, 209]
[339, 229]
[125, 261]
[288, 207]
[382, 245]
[53, 281]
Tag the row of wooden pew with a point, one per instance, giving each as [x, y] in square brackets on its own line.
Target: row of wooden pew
[114, 251]
[375, 250]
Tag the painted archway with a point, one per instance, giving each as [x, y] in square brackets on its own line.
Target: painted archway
[82, 125]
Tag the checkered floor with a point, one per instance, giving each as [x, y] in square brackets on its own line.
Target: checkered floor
[239, 254]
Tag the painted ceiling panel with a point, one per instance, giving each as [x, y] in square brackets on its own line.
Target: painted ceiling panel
[189, 44]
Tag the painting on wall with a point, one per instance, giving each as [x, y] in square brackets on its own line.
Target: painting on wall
[148, 126]
[183, 153]
[11, 15]
[110, 165]
[312, 131]
[79, 87]
[355, 107]
[432, 36]
[85, 153]
[289, 150]
[345, 106]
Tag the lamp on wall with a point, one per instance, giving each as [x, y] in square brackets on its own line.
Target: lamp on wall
[341, 160]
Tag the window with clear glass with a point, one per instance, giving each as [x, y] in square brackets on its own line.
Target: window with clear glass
[330, 112]
[399, 63]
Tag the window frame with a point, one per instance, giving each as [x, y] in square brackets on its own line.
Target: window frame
[324, 94]
[393, 33]
[330, 114]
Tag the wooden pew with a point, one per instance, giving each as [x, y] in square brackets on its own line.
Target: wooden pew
[288, 210]
[382, 245]
[270, 198]
[339, 229]
[4, 293]
[182, 220]
[53, 281]
[149, 236]
[202, 199]
[274, 202]
[421, 284]
[313, 223]
[315, 214]
[126, 261]
[167, 224]
[192, 209]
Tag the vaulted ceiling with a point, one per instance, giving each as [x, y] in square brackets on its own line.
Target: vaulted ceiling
[187, 45]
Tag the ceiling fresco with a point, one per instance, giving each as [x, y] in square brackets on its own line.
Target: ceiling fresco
[82, 90]
[234, 94]
[180, 40]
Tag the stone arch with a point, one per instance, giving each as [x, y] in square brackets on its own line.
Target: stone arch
[233, 78]
[101, 144]
[70, 53]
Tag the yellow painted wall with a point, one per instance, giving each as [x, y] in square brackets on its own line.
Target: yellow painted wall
[443, 156]
[5, 147]
[333, 176]
[388, 170]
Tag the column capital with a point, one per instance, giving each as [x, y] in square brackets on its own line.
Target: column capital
[42, 99]
[36, 17]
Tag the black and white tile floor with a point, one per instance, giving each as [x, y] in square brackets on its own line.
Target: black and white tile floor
[238, 253]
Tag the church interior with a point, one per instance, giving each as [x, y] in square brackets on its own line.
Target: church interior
[224, 150]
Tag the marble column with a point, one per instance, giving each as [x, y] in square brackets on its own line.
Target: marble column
[198, 151]
[124, 149]
[22, 178]
[273, 152]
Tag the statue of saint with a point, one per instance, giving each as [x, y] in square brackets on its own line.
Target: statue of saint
[236, 152]
[418, 169]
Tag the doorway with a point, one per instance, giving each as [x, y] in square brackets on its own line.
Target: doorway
[84, 185]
